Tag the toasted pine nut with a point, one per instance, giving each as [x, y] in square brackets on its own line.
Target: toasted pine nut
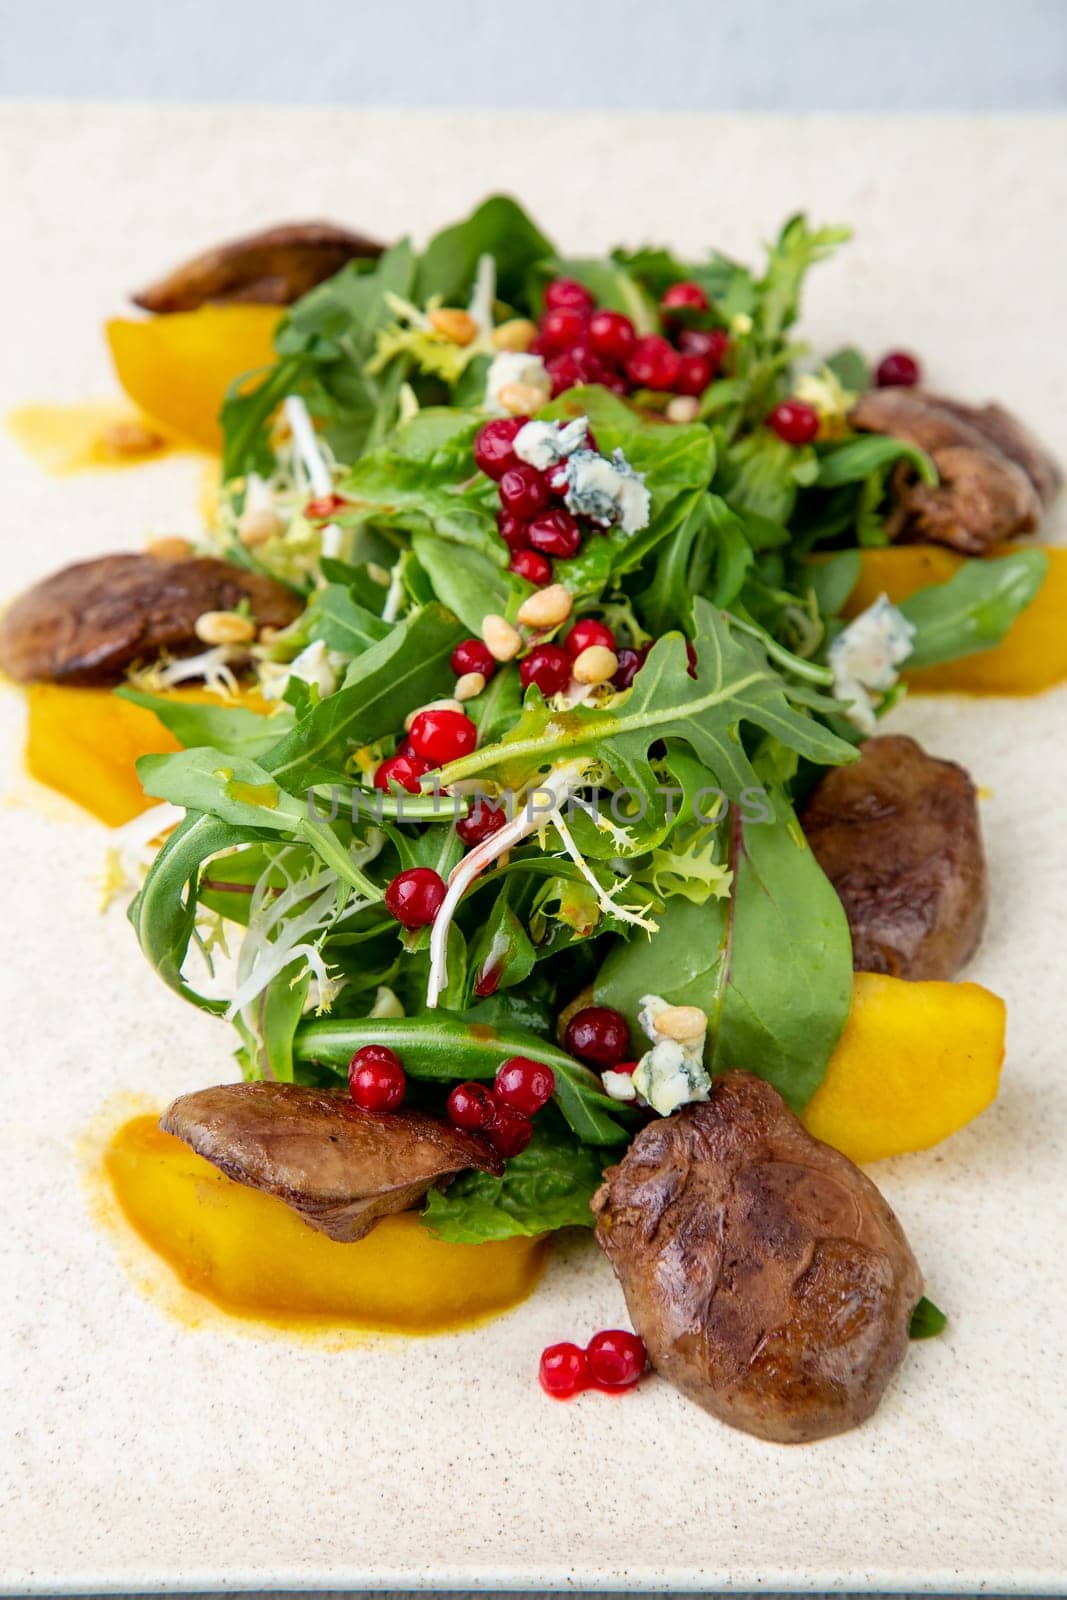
[470, 685]
[683, 1024]
[131, 438]
[501, 640]
[432, 705]
[518, 335]
[547, 608]
[596, 664]
[171, 548]
[257, 525]
[457, 326]
[521, 399]
[683, 408]
[224, 627]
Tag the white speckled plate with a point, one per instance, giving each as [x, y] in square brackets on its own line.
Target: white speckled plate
[142, 1454]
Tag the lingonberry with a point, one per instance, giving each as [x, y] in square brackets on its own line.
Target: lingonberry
[897, 370]
[588, 631]
[630, 664]
[563, 1370]
[493, 452]
[480, 823]
[376, 1078]
[439, 736]
[548, 666]
[473, 656]
[414, 897]
[523, 1085]
[598, 1035]
[523, 491]
[554, 533]
[612, 336]
[405, 769]
[471, 1106]
[794, 421]
[512, 530]
[712, 344]
[509, 1132]
[694, 374]
[563, 327]
[653, 363]
[531, 565]
[684, 297]
[616, 1358]
[569, 293]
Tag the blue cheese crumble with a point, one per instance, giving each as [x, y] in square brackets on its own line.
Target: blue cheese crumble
[546, 444]
[514, 366]
[608, 492]
[672, 1073]
[866, 655]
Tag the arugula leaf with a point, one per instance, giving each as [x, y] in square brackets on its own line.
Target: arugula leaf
[501, 954]
[337, 618]
[974, 609]
[234, 730]
[927, 1320]
[856, 459]
[465, 580]
[548, 1186]
[797, 248]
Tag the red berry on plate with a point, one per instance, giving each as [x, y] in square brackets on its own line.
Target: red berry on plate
[509, 1132]
[523, 491]
[598, 1035]
[630, 664]
[439, 736]
[376, 1078]
[611, 336]
[548, 666]
[512, 530]
[473, 656]
[554, 533]
[684, 297]
[712, 345]
[588, 631]
[414, 897]
[563, 1371]
[404, 768]
[616, 1358]
[568, 293]
[471, 1106]
[493, 452]
[480, 823]
[524, 1085]
[897, 370]
[323, 506]
[694, 374]
[563, 327]
[794, 421]
[531, 565]
[653, 363]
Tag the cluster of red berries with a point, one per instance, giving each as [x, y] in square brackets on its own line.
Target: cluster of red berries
[533, 521]
[581, 344]
[612, 1361]
[437, 736]
[503, 1113]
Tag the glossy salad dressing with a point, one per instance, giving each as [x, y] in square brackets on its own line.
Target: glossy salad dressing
[91, 435]
[253, 1257]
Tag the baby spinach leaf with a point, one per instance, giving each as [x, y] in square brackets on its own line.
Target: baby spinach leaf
[851, 369]
[500, 228]
[975, 608]
[465, 580]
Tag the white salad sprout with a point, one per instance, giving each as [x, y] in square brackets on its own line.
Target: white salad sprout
[314, 463]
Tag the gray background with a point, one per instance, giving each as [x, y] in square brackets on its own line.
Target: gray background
[657, 55]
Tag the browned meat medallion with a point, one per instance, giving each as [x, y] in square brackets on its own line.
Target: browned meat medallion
[87, 623]
[898, 836]
[338, 1167]
[996, 480]
[273, 267]
[769, 1279]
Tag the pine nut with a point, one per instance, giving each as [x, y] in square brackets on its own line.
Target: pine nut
[459, 327]
[596, 664]
[127, 439]
[224, 627]
[501, 640]
[518, 335]
[522, 399]
[171, 548]
[547, 608]
[258, 524]
[683, 1024]
[432, 705]
[470, 685]
[683, 408]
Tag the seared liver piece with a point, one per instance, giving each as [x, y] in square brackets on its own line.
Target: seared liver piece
[898, 836]
[993, 476]
[87, 623]
[339, 1168]
[273, 268]
[769, 1279]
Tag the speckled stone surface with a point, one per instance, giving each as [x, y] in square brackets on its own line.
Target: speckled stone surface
[141, 1454]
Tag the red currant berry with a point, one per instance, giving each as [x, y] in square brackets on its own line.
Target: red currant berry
[598, 1035]
[548, 666]
[694, 375]
[563, 328]
[405, 769]
[568, 293]
[611, 336]
[523, 491]
[471, 1106]
[376, 1078]
[414, 897]
[554, 533]
[509, 1132]
[653, 363]
[565, 373]
[440, 736]
[473, 656]
[323, 506]
[684, 297]
[524, 1085]
[563, 1371]
[617, 382]
[531, 565]
[588, 631]
[493, 452]
[512, 530]
[794, 421]
[630, 664]
[712, 345]
[616, 1358]
[480, 823]
[897, 370]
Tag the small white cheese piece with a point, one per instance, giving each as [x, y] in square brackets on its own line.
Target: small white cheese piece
[514, 366]
[866, 656]
[545, 444]
[608, 492]
[671, 1074]
[619, 1085]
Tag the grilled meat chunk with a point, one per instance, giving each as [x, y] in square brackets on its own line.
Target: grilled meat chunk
[769, 1279]
[87, 623]
[273, 268]
[898, 836]
[338, 1167]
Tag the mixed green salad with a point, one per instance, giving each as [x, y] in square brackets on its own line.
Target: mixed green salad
[622, 836]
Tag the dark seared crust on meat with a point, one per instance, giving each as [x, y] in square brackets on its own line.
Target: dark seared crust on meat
[769, 1279]
[273, 267]
[987, 492]
[898, 836]
[88, 623]
[338, 1167]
